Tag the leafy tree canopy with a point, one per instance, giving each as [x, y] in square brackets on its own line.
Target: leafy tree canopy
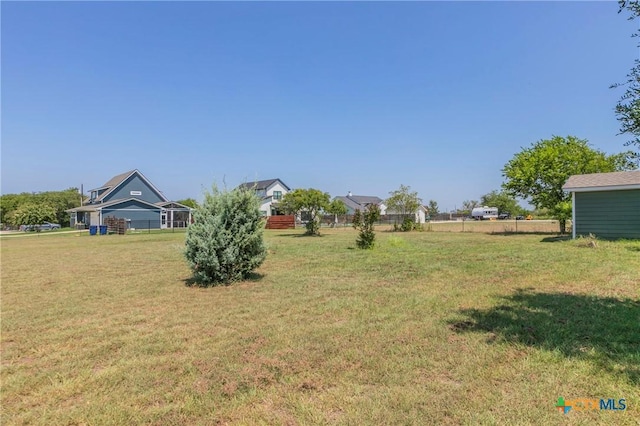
[189, 202]
[34, 214]
[538, 173]
[311, 202]
[60, 201]
[433, 208]
[403, 201]
[337, 207]
[628, 107]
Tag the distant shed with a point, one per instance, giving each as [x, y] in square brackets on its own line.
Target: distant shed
[606, 205]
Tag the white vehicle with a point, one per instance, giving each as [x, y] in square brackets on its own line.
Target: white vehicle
[484, 213]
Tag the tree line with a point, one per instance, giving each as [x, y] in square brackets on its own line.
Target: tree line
[32, 208]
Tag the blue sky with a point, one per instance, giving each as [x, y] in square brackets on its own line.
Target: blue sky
[359, 96]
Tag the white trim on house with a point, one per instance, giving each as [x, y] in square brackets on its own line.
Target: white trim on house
[603, 188]
[573, 215]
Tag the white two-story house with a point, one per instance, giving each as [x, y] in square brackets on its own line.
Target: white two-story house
[270, 192]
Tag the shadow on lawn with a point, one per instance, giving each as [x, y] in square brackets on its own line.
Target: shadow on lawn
[556, 239]
[604, 331]
[552, 235]
[300, 235]
[192, 282]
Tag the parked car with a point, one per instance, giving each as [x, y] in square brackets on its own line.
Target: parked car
[503, 216]
[519, 217]
[49, 226]
[44, 226]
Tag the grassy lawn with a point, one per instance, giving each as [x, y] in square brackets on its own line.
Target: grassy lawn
[428, 328]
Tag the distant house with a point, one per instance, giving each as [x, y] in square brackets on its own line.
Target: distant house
[270, 192]
[420, 215]
[132, 197]
[606, 205]
[360, 202]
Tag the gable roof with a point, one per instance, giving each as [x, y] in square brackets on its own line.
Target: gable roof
[96, 207]
[262, 184]
[118, 180]
[603, 181]
[358, 201]
[171, 204]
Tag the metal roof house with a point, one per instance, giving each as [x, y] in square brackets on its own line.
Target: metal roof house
[606, 205]
[270, 192]
[131, 196]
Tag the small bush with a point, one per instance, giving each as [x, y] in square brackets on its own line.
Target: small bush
[365, 223]
[224, 244]
[590, 241]
[408, 224]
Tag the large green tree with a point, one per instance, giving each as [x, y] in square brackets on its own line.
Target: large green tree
[60, 201]
[34, 214]
[403, 201]
[310, 202]
[538, 173]
[628, 107]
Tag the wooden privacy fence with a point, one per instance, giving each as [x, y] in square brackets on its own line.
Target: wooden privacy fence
[281, 222]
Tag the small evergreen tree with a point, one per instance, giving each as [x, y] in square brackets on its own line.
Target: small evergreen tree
[365, 223]
[224, 243]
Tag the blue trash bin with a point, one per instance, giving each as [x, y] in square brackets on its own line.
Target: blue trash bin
[93, 230]
[103, 229]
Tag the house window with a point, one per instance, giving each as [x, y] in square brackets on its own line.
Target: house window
[277, 195]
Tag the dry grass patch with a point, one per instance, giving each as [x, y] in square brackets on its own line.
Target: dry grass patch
[439, 328]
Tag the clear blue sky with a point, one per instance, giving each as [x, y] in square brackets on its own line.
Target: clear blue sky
[357, 97]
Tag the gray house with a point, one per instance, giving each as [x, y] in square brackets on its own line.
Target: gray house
[606, 205]
[132, 197]
[360, 202]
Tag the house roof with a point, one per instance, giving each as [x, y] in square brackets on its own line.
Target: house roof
[358, 201]
[96, 207]
[171, 203]
[603, 181]
[118, 180]
[262, 184]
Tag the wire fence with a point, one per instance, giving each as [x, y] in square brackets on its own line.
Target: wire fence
[506, 226]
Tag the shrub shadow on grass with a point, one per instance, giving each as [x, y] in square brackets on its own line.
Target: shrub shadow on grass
[556, 239]
[552, 234]
[303, 235]
[192, 282]
[602, 330]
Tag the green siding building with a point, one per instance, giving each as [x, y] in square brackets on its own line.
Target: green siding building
[606, 205]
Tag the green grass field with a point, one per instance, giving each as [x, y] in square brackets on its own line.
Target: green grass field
[428, 328]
